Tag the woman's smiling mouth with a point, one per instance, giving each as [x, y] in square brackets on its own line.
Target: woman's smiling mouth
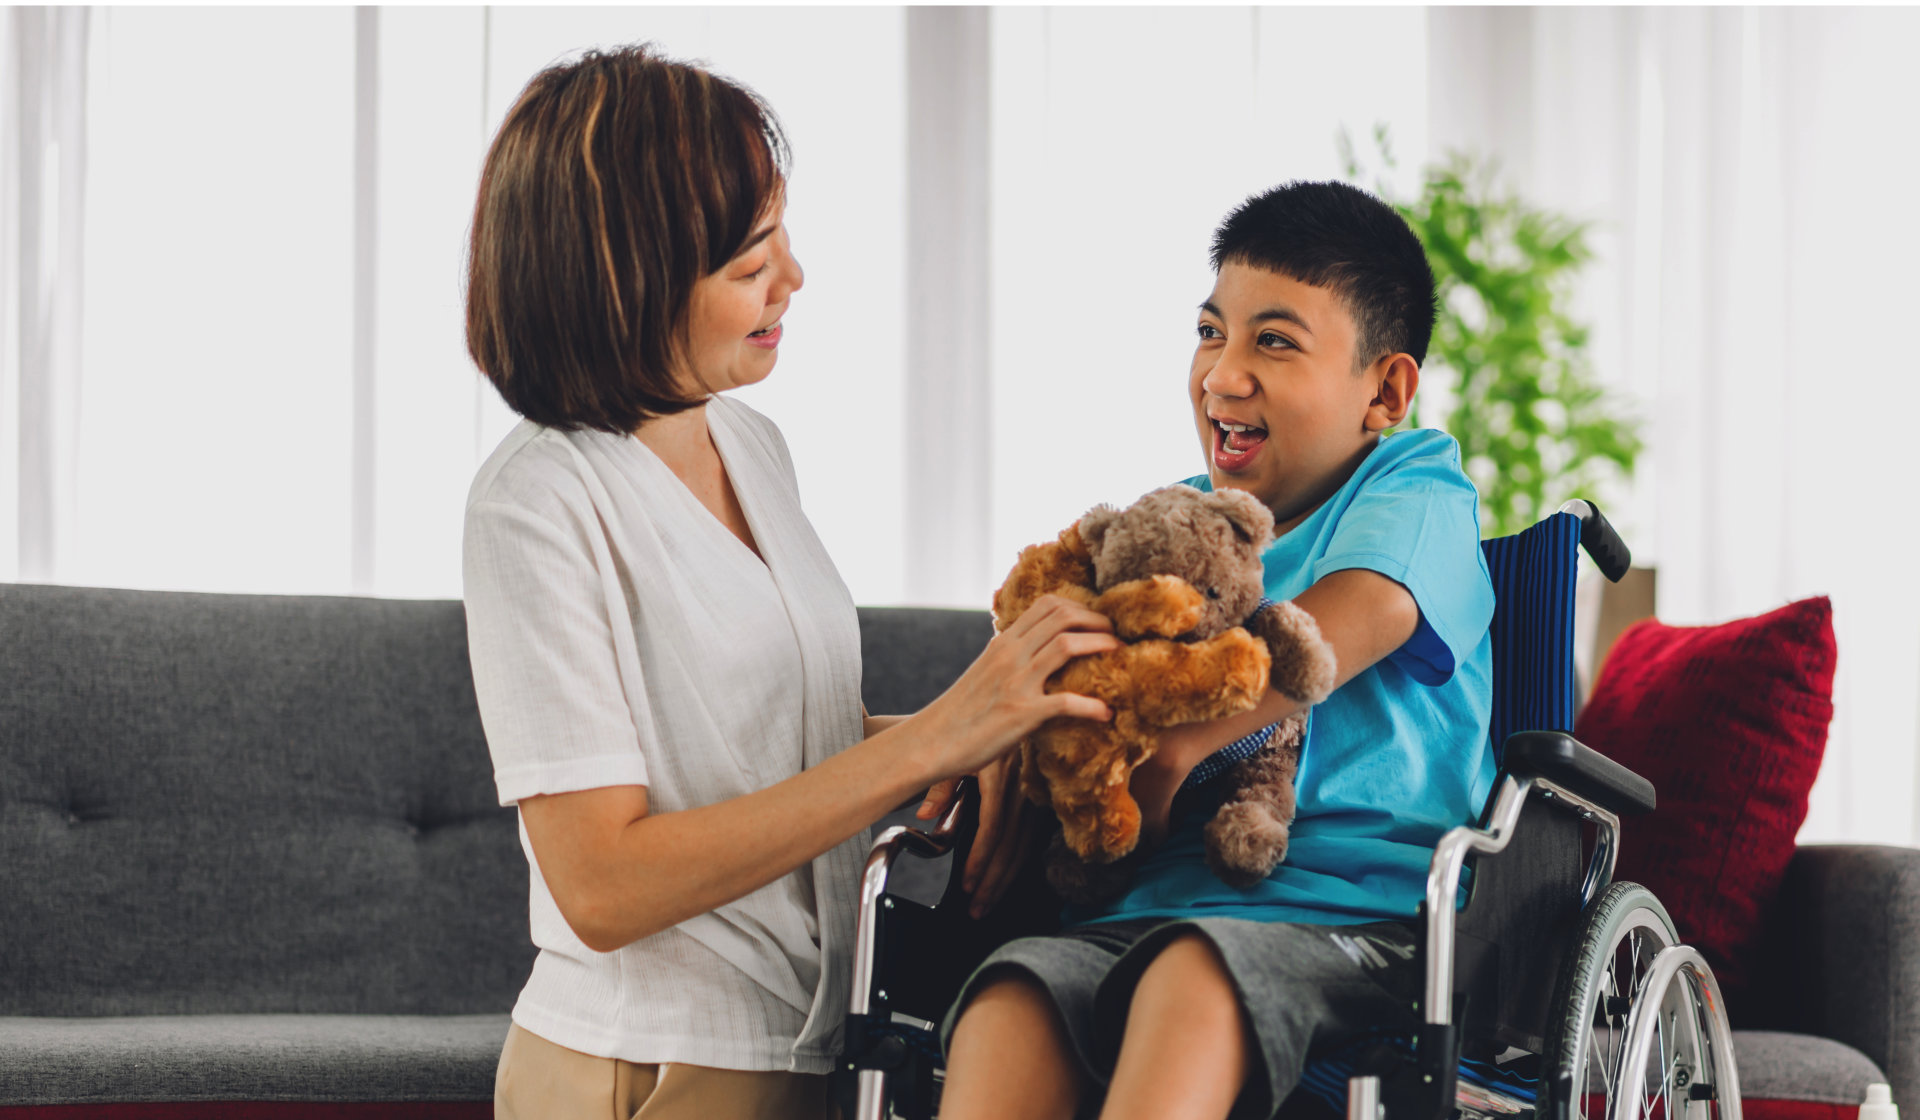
[768, 337]
[1236, 445]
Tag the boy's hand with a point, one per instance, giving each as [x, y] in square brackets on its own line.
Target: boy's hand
[1362, 614]
[1182, 748]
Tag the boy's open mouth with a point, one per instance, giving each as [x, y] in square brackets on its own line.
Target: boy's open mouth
[1235, 445]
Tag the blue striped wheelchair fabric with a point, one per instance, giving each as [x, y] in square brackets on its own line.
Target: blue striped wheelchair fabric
[1533, 580]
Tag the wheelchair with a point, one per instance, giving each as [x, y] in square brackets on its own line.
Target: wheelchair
[1552, 991]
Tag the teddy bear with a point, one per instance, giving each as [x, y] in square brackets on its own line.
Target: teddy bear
[1179, 573]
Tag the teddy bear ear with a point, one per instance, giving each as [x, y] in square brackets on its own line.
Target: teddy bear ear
[1094, 526]
[1249, 516]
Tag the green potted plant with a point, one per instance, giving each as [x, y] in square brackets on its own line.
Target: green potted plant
[1535, 427]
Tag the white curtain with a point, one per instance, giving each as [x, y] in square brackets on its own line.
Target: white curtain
[276, 395]
[1748, 171]
[43, 165]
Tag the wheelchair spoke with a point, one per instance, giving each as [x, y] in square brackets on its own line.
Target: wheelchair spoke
[1664, 1029]
[1603, 1055]
[1612, 1059]
[1605, 982]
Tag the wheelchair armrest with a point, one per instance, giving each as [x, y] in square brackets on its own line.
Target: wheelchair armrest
[1578, 768]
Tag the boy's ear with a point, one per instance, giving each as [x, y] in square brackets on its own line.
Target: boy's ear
[1398, 378]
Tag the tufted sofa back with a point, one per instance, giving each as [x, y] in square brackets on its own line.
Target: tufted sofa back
[241, 803]
[249, 803]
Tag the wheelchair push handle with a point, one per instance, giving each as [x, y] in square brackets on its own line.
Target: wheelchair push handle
[948, 826]
[1599, 539]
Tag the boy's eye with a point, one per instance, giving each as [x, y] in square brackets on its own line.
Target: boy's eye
[1207, 331]
[756, 273]
[1268, 338]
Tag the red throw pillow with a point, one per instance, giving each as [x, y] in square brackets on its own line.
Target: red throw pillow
[1728, 722]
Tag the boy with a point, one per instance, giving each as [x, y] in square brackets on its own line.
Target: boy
[1187, 997]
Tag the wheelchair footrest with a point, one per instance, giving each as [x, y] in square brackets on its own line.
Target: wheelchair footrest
[877, 1042]
[907, 1055]
[1480, 1089]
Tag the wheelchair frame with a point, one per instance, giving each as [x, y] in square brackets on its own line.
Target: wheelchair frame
[1676, 989]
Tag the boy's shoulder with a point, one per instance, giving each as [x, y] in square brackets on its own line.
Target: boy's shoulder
[1411, 479]
[1427, 453]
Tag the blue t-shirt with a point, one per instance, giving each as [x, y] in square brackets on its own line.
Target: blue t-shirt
[1396, 756]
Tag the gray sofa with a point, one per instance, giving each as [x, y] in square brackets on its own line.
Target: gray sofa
[250, 848]
[250, 852]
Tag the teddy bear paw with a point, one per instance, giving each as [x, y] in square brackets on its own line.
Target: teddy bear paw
[1245, 841]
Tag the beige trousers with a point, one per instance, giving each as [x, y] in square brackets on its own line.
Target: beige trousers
[540, 1080]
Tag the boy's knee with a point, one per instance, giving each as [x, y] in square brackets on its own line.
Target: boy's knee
[1192, 958]
[1010, 996]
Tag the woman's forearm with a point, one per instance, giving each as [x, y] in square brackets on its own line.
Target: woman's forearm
[874, 725]
[620, 872]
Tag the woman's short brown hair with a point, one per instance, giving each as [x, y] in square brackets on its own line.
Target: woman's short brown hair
[616, 181]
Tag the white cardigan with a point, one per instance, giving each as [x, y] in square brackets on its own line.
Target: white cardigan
[621, 635]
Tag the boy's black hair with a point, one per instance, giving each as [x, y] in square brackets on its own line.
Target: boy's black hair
[1337, 236]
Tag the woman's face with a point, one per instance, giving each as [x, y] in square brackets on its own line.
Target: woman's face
[733, 321]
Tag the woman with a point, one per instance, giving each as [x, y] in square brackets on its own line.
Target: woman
[667, 664]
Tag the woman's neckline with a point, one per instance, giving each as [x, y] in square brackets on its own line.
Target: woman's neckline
[686, 444]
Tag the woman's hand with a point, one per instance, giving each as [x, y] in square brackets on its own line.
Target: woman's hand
[1005, 834]
[1002, 696]
[997, 702]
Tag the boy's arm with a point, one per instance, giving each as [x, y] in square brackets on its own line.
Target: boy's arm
[1362, 614]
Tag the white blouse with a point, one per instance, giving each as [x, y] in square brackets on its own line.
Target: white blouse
[620, 634]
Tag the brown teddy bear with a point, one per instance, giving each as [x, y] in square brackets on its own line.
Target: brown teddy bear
[1179, 573]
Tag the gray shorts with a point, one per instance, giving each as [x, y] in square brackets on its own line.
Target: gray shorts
[1304, 987]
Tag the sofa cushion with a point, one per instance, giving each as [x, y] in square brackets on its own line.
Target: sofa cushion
[1729, 723]
[1779, 1067]
[248, 804]
[329, 1058]
[909, 655]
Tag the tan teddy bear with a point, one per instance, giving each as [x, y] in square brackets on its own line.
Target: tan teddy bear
[1179, 573]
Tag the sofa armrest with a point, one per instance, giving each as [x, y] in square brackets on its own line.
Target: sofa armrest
[1848, 927]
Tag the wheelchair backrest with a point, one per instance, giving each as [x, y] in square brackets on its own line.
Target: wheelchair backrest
[1525, 901]
[1534, 572]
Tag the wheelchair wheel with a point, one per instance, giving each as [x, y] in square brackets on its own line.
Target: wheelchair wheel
[1678, 1056]
[1621, 935]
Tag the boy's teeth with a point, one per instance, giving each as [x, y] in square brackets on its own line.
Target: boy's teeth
[1240, 437]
